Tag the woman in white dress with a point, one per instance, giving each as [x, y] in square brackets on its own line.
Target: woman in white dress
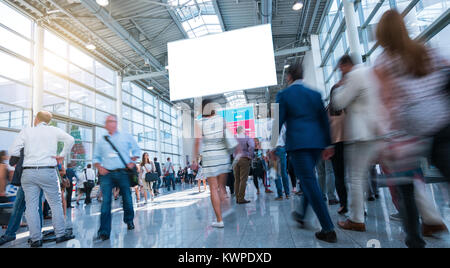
[145, 167]
[215, 154]
[200, 178]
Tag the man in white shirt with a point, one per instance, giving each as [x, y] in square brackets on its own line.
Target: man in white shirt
[88, 176]
[40, 145]
[169, 174]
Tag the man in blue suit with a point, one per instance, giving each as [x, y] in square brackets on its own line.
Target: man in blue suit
[307, 135]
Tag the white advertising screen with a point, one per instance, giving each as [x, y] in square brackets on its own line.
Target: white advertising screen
[215, 64]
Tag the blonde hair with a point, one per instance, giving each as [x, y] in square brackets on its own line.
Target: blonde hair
[393, 36]
[44, 116]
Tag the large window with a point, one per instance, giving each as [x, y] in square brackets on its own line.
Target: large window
[75, 84]
[420, 15]
[139, 116]
[15, 69]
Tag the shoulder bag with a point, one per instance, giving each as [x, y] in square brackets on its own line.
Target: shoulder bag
[132, 173]
[151, 176]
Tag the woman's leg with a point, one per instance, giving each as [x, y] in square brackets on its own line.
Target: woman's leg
[138, 196]
[199, 182]
[256, 182]
[152, 193]
[204, 184]
[215, 199]
[145, 188]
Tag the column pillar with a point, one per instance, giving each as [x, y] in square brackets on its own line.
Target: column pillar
[316, 57]
[38, 71]
[119, 101]
[352, 31]
[158, 129]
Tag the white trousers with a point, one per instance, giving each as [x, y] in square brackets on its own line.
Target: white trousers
[359, 156]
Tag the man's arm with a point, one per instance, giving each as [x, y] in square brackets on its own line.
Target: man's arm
[18, 144]
[345, 94]
[135, 150]
[68, 141]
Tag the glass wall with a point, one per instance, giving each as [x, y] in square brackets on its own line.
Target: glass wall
[138, 112]
[76, 85]
[170, 133]
[418, 16]
[16, 51]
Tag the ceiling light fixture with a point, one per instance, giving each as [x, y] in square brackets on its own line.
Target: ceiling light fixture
[102, 3]
[297, 5]
[287, 66]
[150, 88]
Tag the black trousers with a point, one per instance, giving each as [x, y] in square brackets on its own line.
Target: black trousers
[69, 195]
[440, 153]
[410, 216]
[339, 173]
[291, 173]
[88, 194]
[230, 182]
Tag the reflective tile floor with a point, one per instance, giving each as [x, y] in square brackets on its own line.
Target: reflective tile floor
[182, 219]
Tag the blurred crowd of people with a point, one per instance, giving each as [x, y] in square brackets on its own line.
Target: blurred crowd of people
[382, 118]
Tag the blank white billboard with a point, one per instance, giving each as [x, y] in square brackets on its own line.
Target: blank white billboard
[219, 63]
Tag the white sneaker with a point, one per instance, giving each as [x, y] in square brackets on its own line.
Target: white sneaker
[218, 224]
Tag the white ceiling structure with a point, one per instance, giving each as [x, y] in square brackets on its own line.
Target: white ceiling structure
[131, 36]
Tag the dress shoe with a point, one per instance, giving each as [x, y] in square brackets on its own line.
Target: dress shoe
[333, 202]
[243, 202]
[329, 237]
[298, 218]
[371, 198]
[429, 230]
[36, 244]
[279, 198]
[130, 226]
[48, 233]
[102, 237]
[5, 239]
[353, 226]
[64, 238]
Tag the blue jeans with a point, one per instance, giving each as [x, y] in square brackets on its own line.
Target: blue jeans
[304, 162]
[170, 180]
[157, 184]
[283, 180]
[107, 183]
[17, 213]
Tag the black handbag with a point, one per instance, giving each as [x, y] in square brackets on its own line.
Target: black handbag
[132, 173]
[151, 177]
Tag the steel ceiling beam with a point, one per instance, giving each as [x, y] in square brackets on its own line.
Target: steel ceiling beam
[313, 19]
[144, 76]
[119, 30]
[294, 50]
[175, 19]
